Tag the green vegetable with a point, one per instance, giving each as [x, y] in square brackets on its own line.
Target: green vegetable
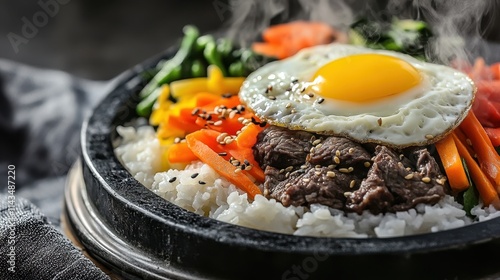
[198, 69]
[145, 107]
[165, 74]
[237, 69]
[470, 196]
[213, 57]
[401, 35]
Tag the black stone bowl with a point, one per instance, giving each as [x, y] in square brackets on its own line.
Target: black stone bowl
[140, 235]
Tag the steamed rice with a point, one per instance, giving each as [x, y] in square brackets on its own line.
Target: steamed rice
[198, 188]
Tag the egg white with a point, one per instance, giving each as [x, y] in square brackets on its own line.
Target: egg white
[276, 93]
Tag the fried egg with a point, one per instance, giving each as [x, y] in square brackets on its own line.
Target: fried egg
[367, 95]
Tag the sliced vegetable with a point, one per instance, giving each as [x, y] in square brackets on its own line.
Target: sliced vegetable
[180, 153]
[483, 185]
[470, 196]
[401, 35]
[286, 39]
[196, 142]
[170, 69]
[452, 163]
[488, 158]
[494, 135]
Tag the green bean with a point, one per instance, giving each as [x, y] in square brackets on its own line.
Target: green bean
[224, 47]
[145, 107]
[164, 76]
[213, 57]
[237, 69]
[198, 69]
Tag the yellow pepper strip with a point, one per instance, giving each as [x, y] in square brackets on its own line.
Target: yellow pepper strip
[219, 84]
[160, 109]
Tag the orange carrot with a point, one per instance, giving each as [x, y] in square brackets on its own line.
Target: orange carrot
[494, 135]
[452, 163]
[286, 39]
[248, 136]
[483, 185]
[219, 164]
[180, 153]
[488, 158]
[495, 70]
[460, 134]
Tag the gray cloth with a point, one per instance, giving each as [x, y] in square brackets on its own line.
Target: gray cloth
[33, 249]
[41, 113]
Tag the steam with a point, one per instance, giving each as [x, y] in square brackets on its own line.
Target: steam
[457, 25]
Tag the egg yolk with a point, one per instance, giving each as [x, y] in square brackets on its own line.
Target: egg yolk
[364, 77]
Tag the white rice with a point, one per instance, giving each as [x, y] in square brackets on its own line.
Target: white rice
[210, 195]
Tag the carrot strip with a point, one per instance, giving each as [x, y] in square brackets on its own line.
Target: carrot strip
[494, 135]
[460, 134]
[180, 153]
[488, 158]
[483, 185]
[220, 165]
[452, 163]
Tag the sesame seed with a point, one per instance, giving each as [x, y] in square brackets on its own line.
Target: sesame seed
[336, 159]
[171, 180]
[306, 180]
[351, 185]
[344, 170]
[409, 176]
[316, 142]
[288, 105]
[272, 97]
[195, 111]
[429, 136]
[330, 174]
[332, 166]
[317, 173]
[294, 81]
[346, 194]
[310, 94]
[367, 164]
[201, 182]
[351, 150]
[222, 154]
[218, 123]
[289, 168]
[426, 179]
[379, 121]
[194, 175]
[321, 100]
[177, 140]
[237, 170]
[248, 167]
[227, 95]
[232, 114]
[337, 153]
[282, 170]
[303, 166]
[319, 145]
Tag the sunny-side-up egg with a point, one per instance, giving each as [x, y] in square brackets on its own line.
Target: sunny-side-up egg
[363, 94]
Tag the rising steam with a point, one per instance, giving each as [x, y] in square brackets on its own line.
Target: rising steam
[457, 25]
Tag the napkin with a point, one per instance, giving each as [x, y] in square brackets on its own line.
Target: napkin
[41, 112]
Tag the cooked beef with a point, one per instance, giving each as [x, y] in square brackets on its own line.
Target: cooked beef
[280, 147]
[303, 168]
[394, 184]
[308, 185]
[341, 152]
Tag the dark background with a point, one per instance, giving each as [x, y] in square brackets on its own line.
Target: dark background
[99, 39]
